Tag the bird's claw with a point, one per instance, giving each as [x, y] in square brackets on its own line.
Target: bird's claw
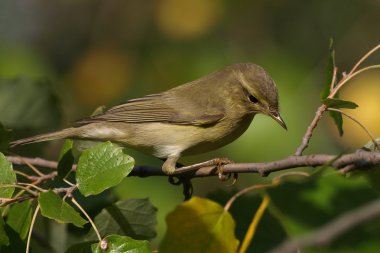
[220, 162]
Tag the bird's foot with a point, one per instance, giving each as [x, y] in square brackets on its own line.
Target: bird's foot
[218, 162]
[169, 166]
[185, 182]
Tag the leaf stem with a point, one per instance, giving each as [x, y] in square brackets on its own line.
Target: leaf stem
[88, 218]
[18, 186]
[229, 203]
[68, 182]
[31, 228]
[373, 50]
[32, 186]
[21, 174]
[349, 77]
[255, 222]
[359, 123]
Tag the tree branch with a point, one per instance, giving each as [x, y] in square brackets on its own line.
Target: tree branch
[310, 129]
[21, 160]
[358, 160]
[331, 230]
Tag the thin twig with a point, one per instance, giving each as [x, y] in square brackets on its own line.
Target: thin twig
[8, 202]
[31, 228]
[37, 171]
[275, 182]
[349, 77]
[88, 218]
[329, 232]
[68, 182]
[21, 174]
[323, 108]
[19, 198]
[38, 180]
[32, 186]
[333, 91]
[310, 129]
[346, 169]
[35, 161]
[229, 203]
[333, 80]
[18, 186]
[373, 50]
[371, 136]
[290, 173]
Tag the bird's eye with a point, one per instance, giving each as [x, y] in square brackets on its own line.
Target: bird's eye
[253, 99]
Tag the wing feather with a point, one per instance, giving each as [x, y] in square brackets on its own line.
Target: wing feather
[154, 108]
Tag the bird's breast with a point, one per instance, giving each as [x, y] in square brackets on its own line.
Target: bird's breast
[221, 134]
[164, 139]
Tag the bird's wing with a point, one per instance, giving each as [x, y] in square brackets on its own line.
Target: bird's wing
[156, 108]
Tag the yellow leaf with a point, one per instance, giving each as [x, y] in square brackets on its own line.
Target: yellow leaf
[199, 225]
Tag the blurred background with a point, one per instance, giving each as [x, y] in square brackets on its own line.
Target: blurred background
[60, 60]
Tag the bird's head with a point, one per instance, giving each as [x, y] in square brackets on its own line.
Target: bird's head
[259, 89]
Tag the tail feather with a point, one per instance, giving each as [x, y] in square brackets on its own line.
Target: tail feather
[62, 134]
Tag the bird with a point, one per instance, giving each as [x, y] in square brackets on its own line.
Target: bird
[192, 118]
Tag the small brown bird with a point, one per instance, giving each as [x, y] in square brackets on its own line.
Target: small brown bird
[192, 118]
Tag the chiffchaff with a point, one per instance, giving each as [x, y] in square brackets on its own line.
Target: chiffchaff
[192, 118]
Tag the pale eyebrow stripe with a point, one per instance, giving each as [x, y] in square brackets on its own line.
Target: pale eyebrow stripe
[244, 82]
[241, 78]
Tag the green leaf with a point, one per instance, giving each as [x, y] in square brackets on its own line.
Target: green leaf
[20, 217]
[4, 240]
[65, 159]
[27, 103]
[317, 201]
[199, 225]
[133, 217]
[102, 167]
[15, 242]
[243, 209]
[329, 70]
[120, 244]
[339, 103]
[338, 120]
[53, 207]
[7, 176]
[5, 137]
[337, 116]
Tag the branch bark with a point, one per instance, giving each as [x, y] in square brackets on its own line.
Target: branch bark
[358, 160]
[309, 132]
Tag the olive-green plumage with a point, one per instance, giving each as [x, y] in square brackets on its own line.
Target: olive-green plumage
[192, 118]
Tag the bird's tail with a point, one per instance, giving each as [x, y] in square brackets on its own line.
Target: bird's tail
[62, 134]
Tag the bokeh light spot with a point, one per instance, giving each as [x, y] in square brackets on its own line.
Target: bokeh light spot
[365, 91]
[100, 76]
[183, 19]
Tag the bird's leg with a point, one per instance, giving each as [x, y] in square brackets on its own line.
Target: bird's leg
[219, 162]
[169, 166]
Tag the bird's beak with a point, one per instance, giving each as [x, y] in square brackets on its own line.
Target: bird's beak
[276, 116]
